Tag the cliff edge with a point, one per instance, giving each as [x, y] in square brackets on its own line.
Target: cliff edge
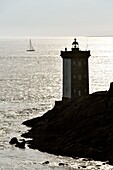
[82, 128]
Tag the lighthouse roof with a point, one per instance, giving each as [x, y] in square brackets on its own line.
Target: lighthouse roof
[75, 52]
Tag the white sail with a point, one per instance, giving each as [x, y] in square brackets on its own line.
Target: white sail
[30, 46]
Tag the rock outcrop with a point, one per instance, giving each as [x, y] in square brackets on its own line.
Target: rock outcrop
[82, 128]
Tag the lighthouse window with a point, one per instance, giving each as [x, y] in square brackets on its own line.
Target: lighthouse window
[85, 62]
[79, 63]
[79, 76]
[85, 76]
[79, 92]
[85, 90]
[74, 90]
[73, 62]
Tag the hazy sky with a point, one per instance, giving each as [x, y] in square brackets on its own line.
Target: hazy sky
[56, 17]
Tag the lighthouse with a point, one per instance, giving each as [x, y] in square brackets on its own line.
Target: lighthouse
[75, 72]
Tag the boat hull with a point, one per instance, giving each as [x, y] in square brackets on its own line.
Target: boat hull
[30, 50]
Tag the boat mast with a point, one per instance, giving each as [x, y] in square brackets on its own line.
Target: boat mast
[30, 44]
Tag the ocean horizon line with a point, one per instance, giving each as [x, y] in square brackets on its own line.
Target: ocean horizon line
[52, 37]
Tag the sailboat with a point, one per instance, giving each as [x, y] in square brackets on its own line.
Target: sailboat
[30, 46]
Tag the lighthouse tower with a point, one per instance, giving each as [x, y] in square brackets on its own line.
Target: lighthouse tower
[75, 72]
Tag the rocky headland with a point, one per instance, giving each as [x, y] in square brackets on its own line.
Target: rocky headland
[76, 128]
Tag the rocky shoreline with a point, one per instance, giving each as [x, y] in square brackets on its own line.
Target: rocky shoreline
[76, 128]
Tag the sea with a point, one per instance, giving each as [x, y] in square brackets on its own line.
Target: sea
[31, 82]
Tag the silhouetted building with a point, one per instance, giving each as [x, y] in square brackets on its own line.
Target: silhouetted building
[75, 72]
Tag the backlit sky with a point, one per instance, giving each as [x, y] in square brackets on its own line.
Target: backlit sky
[59, 18]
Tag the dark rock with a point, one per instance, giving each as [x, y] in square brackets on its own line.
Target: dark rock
[21, 144]
[13, 141]
[83, 166]
[98, 165]
[76, 128]
[110, 92]
[61, 164]
[45, 163]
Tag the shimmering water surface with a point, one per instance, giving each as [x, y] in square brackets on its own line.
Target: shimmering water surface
[30, 82]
